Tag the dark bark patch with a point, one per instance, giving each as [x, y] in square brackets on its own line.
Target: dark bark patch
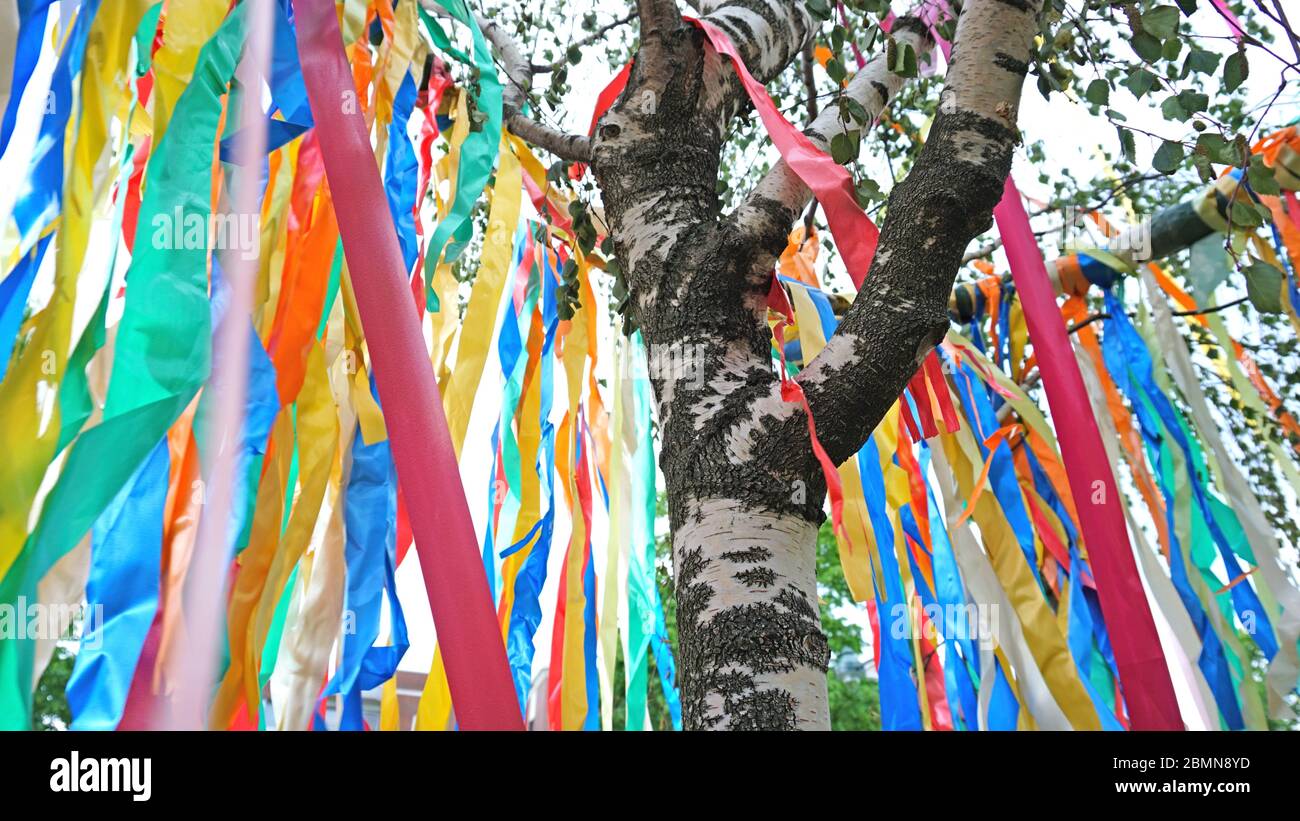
[756, 553]
[1005, 61]
[757, 577]
[793, 599]
[723, 655]
[771, 709]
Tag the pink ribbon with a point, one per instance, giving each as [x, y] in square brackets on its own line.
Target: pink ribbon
[1148, 692]
[857, 52]
[477, 672]
[855, 234]
[1226, 13]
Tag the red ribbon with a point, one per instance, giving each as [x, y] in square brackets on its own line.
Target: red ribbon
[604, 100]
[477, 672]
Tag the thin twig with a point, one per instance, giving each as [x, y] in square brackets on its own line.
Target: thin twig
[1212, 309]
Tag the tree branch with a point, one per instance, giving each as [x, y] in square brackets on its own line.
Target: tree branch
[767, 213]
[768, 35]
[656, 151]
[658, 19]
[657, 16]
[519, 80]
[594, 37]
[900, 313]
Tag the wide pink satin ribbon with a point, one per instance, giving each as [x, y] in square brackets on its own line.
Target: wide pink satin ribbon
[477, 671]
[1144, 677]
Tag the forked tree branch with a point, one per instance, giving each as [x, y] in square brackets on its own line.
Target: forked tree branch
[900, 313]
[780, 196]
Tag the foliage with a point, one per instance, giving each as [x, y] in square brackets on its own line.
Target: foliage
[50, 709]
[854, 699]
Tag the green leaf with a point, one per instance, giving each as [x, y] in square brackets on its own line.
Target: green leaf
[1201, 61]
[1139, 82]
[1045, 86]
[902, 60]
[1202, 164]
[821, 9]
[856, 111]
[1193, 101]
[1146, 46]
[1235, 71]
[909, 61]
[1264, 287]
[844, 147]
[1172, 109]
[1242, 147]
[575, 54]
[1161, 22]
[1261, 178]
[1098, 93]
[1217, 149]
[1244, 214]
[1127, 145]
[1168, 157]
[1188, 6]
[867, 191]
[836, 70]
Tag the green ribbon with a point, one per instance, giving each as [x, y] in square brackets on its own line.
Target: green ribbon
[478, 154]
[641, 564]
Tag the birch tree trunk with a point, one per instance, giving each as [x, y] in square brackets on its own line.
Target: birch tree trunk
[745, 493]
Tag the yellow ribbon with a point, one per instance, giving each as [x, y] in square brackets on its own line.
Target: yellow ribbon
[485, 296]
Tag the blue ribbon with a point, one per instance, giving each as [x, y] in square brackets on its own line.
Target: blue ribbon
[288, 92]
[1002, 471]
[1244, 599]
[526, 614]
[40, 194]
[121, 595]
[402, 172]
[370, 514]
[33, 16]
[1129, 366]
[14, 290]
